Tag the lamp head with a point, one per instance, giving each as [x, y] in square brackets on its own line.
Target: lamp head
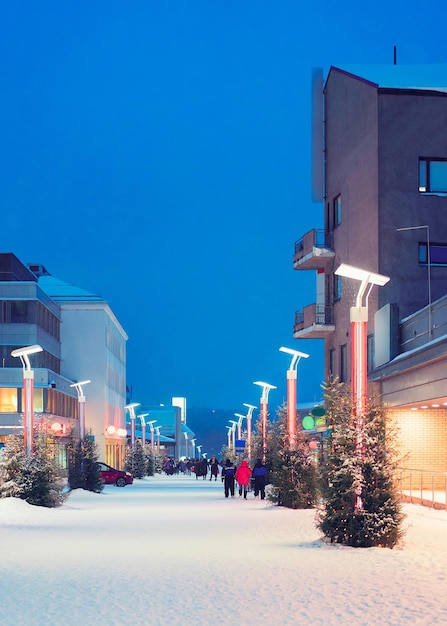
[349, 271]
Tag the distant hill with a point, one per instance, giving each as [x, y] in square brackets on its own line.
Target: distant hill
[209, 427]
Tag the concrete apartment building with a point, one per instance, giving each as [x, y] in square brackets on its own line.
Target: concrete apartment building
[81, 340]
[380, 165]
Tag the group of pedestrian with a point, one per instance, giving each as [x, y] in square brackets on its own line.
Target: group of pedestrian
[243, 475]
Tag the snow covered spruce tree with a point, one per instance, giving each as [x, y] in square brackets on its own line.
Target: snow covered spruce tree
[83, 469]
[293, 472]
[361, 505]
[35, 478]
[135, 461]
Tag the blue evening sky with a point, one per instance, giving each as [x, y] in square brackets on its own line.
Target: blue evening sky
[157, 153]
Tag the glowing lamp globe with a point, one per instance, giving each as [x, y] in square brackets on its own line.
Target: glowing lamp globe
[313, 445]
[111, 430]
[308, 422]
[56, 427]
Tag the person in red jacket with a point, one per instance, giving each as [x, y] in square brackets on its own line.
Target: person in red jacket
[243, 475]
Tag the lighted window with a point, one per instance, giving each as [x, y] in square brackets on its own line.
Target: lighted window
[438, 254]
[8, 400]
[432, 175]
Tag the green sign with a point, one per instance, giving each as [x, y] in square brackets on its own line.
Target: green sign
[308, 422]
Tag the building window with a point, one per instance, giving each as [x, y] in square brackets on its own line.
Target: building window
[432, 175]
[370, 352]
[337, 287]
[337, 210]
[332, 363]
[438, 254]
[8, 400]
[344, 363]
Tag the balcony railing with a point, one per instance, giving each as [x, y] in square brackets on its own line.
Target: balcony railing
[423, 487]
[313, 250]
[314, 321]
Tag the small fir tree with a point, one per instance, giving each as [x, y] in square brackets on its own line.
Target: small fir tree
[135, 461]
[35, 478]
[293, 469]
[83, 468]
[346, 474]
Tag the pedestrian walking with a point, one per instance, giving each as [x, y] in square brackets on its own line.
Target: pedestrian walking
[260, 476]
[204, 467]
[214, 467]
[228, 476]
[243, 474]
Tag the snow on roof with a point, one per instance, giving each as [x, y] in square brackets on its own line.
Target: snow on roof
[426, 77]
[59, 290]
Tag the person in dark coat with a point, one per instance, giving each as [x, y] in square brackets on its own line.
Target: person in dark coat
[214, 467]
[259, 474]
[204, 467]
[228, 476]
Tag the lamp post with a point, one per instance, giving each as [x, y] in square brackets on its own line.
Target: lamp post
[157, 428]
[193, 441]
[239, 424]
[131, 408]
[28, 394]
[249, 424]
[186, 444]
[152, 429]
[264, 414]
[142, 417]
[359, 357]
[81, 406]
[292, 375]
[229, 429]
[199, 448]
[430, 329]
[233, 433]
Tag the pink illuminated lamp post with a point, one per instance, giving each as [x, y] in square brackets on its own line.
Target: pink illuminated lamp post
[131, 408]
[157, 428]
[28, 394]
[239, 424]
[249, 424]
[142, 417]
[229, 429]
[292, 375]
[264, 414]
[359, 344]
[152, 429]
[81, 406]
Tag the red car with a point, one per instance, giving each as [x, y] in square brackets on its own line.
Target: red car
[112, 476]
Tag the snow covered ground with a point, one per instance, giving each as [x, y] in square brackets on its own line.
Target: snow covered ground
[172, 550]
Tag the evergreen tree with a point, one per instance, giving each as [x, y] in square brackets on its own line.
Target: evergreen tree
[293, 471]
[135, 461]
[346, 474]
[83, 469]
[35, 478]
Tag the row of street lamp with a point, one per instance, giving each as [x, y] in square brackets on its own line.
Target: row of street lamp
[292, 376]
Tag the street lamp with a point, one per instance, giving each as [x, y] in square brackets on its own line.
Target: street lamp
[430, 330]
[131, 408]
[186, 444]
[239, 424]
[359, 357]
[81, 407]
[199, 448]
[157, 428]
[143, 427]
[28, 394]
[233, 433]
[292, 375]
[249, 423]
[193, 441]
[264, 414]
[152, 429]
[229, 431]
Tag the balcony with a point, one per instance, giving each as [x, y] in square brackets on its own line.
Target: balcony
[313, 251]
[315, 321]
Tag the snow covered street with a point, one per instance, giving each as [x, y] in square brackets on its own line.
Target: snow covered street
[171, 550]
